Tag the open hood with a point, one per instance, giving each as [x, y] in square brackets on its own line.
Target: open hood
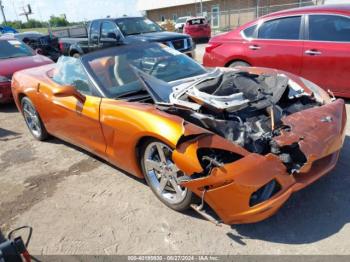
[245, 107]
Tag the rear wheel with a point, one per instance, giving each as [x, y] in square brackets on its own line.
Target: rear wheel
[163, 176]
[238, 63]
[32, 119]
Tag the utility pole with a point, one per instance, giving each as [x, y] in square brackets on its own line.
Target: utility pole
[27, 12]
[201, 4]
[2, 12]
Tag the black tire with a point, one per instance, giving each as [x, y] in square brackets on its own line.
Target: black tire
[238, 63]
[189, 197]
[76, 55]
[39, 131]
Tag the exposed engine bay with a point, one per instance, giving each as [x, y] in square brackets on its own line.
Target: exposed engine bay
[242, 107]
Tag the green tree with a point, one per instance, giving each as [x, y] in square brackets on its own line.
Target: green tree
[15, 24]
[57, 21]
[32, 23]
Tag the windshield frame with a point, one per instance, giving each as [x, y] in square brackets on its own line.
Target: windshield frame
[32, 53]
[114, 51]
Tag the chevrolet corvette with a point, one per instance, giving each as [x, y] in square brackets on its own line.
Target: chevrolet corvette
[235, 141]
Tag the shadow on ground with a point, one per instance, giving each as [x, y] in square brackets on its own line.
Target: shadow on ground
[189, 212]
[54, 140]
[201, 41]
[312, 214]
[8, 108]
[2, 237]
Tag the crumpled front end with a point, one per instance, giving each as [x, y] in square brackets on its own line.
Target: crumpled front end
[245, 187]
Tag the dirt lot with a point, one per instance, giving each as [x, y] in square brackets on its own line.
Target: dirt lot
[78, 204]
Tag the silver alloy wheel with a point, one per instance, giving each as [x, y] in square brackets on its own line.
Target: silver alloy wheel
[163, 173]
[32, 119]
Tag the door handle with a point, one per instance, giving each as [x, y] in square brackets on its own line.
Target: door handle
[313, 52]
[254, 47]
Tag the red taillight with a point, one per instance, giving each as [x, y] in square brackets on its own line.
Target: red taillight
[211, 46]
[61, 45]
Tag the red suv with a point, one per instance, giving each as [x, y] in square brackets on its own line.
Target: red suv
[313, 42]
[197, 28]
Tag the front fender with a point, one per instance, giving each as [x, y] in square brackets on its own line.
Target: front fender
[124, 124]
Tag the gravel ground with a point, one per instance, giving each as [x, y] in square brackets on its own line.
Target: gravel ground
[78, 204]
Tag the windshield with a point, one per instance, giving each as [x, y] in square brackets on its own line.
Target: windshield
[113, 68]
[137, 25]
[197, 21]
[14, 48]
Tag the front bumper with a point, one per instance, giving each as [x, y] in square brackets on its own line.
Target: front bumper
[229, 188]
[5, 93]
[190, 53]
[200, 34]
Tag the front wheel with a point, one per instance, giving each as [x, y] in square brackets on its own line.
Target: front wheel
[238, 63]
[163, 176]
[76, 55]
[32, 119]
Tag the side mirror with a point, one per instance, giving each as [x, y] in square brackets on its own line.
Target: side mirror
[111, 38]
[65, 91]
[112, 35]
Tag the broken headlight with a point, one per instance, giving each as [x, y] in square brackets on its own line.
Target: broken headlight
[214, 157]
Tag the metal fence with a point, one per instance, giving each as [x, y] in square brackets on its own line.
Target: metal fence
[230, 19]
[75, 31]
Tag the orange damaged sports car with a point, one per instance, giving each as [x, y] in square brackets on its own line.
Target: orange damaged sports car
[237, 140]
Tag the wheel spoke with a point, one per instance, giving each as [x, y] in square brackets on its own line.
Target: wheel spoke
[153, 165]
[31, 125]
[176, 187]
[163, 183]
[161, 153]
[26, 111]
[36, 125]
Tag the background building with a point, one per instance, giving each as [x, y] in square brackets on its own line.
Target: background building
[223, 14]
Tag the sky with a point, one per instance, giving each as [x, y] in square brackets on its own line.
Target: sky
[80, 10]
[75, 10]
[337, 1]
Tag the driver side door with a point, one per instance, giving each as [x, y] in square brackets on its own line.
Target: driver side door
[70, 119]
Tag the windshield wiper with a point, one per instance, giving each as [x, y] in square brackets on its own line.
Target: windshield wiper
[14, 56]
[139, 33]
[154, 31]
[141, 91]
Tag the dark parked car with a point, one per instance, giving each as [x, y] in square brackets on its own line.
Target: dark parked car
[44, 44]
[104, 33]
[312, 42]
[7, 29]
